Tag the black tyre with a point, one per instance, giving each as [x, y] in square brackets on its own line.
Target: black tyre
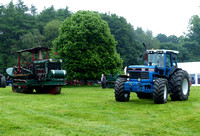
[58, 89]
[3, 81]
[142, 95]
[42, 90]
[160, 91]
[180, 85]
[16, 89]
[120, 94]
[55, 89]
[28, 90]
[38, 90]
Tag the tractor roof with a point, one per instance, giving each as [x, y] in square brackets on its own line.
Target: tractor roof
[163, 51]
[34, 50]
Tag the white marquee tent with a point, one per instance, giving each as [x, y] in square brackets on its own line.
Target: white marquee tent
[193, 69]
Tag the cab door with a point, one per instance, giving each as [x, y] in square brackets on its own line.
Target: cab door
[169, 63]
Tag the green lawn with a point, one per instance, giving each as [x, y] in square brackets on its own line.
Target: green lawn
[94, 111]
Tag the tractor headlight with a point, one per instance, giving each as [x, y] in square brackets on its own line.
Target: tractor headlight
[50, 60]
[151, 69]
[139, 79]
[127, 79]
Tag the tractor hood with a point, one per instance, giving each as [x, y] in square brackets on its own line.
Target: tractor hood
[141, 68]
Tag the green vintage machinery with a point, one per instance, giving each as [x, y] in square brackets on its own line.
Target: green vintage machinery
[36, 71]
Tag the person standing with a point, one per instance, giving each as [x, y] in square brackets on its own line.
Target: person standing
[103, 81]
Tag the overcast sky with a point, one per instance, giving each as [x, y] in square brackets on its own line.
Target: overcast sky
[169, 17]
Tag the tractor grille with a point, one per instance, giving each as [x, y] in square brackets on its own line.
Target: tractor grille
[136, 75]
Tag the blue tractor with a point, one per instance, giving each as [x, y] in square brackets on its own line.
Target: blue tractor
[156, 79]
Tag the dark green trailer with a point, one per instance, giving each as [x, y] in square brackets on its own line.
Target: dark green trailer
[36, 71]
[110, 80]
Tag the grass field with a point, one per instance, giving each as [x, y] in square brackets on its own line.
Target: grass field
[94, 111]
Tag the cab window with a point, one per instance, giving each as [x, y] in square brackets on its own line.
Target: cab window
[174, 60]
[168, 61]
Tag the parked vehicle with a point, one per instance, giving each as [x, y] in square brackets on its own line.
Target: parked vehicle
[37, 71]
[158, 78]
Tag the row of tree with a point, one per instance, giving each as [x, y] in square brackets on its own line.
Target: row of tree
[22, 27]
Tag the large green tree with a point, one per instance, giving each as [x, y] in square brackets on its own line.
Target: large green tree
[183, 55]
[194, 29]
[32, 39]
[51, 31]
[164, 39]
[87, 46]
[14, 22]
[124, 34]
[49, 14]
[147, 38]
[193, 48]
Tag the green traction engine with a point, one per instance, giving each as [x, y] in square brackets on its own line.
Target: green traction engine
[36, 71]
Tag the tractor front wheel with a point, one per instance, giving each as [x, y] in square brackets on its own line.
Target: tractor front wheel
[181, 86]
[160, 91]
[120, 94]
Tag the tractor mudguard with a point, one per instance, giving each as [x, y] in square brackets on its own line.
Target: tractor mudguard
[174, 70]
[123, 76]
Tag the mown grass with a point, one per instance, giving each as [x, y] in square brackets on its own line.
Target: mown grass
[94, 111]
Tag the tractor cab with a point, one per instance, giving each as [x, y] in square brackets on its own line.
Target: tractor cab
[160, 63]
[162, 59]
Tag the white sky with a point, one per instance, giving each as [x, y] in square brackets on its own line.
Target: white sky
[169, 17]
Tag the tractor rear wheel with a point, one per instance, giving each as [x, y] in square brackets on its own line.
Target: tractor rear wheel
[181, 86]
[160, 91]
[142, 95]
[120, 94]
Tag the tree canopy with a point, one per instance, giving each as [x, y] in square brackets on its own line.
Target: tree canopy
[87, 46]
[125, 36]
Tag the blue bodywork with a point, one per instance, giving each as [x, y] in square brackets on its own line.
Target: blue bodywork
[139, 84]
[142, 77]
